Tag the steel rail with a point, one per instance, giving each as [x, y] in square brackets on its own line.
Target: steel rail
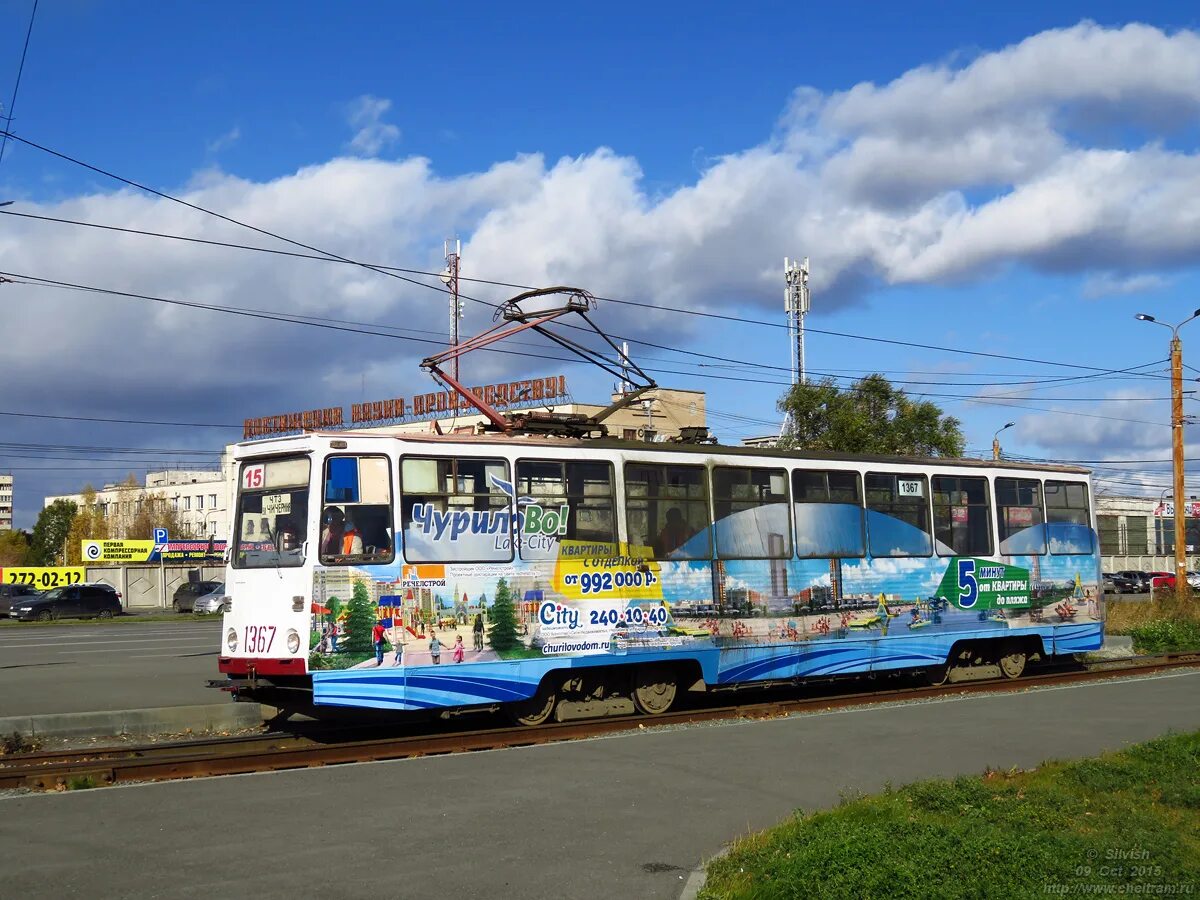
[62, 769]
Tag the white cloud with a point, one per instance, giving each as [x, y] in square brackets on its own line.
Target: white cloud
[224, 141]
[943, 174]
[372, 134]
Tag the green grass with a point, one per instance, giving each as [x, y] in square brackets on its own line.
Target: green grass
[1001, 835]
[1165, 636]
[1163, 624]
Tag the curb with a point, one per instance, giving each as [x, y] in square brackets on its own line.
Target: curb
[162, 720]
[698, 877]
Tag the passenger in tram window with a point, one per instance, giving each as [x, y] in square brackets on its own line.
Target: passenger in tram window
[331, 531]
[674, 533]
[352, 544]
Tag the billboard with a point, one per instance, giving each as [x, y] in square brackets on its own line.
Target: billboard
[128, 552]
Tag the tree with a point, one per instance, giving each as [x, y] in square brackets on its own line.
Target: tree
[136, 513]
[360, 620]
[49, 533]
[14, 548]
[88, 524]
[503, 633]
[871, 417]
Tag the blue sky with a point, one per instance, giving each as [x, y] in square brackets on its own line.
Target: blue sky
[1012, 181]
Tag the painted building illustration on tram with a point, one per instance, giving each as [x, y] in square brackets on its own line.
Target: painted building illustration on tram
[534, 561]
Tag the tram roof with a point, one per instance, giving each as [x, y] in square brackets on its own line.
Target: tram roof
[531, 440]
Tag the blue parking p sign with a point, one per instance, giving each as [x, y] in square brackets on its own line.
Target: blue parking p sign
[160, 535]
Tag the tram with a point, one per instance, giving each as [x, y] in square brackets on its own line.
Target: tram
[560, 577]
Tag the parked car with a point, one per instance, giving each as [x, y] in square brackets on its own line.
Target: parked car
[1136, 575]
[79, 601]
[1161, 580]
[1116, 583]
[187, 594]
[1193, 579]
[10, 593]
[212, 602]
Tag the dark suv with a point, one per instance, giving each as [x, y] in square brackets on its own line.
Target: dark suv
[187, 594]
[11, 593]
[79, 601]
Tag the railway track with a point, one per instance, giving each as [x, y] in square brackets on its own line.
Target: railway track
[67, 769]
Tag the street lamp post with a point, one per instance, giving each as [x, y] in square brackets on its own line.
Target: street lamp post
[996, 440]
[1181, 584]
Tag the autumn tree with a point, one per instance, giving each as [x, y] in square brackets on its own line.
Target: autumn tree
[14, 548]
[88, 524]
[153, 511]
[871, 417]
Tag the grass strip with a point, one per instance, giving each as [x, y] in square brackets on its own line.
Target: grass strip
[1124, 824]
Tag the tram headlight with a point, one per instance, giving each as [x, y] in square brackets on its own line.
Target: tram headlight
[231, 640]
[293, 641]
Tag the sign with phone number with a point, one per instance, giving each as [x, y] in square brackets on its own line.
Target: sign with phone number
[42, 578]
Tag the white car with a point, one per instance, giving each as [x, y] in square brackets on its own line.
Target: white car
[1193, 579]
[214, 602]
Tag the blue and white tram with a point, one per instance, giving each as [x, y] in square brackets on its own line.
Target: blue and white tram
[567, 578]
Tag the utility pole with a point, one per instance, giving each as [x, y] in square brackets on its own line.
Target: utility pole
[1177, 423]
[996, 440]
[796, 304]
[450, 279]
[1181, 582]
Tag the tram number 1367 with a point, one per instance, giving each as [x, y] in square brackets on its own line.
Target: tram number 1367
[259, 638]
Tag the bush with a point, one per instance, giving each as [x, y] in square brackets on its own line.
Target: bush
[1166, 636]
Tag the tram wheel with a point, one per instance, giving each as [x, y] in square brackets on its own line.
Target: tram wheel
[1012, 664]
[654, 689]
[537, 709]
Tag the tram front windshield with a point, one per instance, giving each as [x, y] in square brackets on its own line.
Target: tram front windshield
[272, 513]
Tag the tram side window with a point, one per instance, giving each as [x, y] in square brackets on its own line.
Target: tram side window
[1068, 517]
[456, 509]
[1019, 516]
[666, 509]
[898, 514]
[356, 516]
[962, 518]
[751, 513]
[585, 488]
[829, 514]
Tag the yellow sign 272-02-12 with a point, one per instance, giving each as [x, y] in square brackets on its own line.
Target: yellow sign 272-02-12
[42, 578]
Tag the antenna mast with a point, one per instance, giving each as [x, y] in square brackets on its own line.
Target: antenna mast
[795, 304]
[450, 279]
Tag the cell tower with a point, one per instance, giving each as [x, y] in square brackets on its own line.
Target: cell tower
[450, 279]
[795, 303]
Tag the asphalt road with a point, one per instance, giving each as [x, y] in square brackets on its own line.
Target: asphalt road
[623, 816]
[89, 668]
